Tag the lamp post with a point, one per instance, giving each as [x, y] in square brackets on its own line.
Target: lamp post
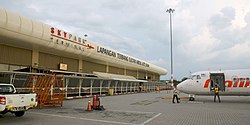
[170, 11]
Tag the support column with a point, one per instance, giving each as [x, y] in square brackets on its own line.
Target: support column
[125, 71]
[116, 82]
[101, 81]
[91, 86]
[121, 86]
[66, 87]
[130, 89]
[80, 87]
[12, 78]
[126, 87]
[109, 82]
[80, 65]
[35, 58]
[137, 74]
[107, 68]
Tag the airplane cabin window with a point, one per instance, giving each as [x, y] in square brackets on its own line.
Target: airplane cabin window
[234, 78]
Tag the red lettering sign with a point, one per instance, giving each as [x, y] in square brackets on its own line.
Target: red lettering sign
[90, 47]
[59, 32]
[236, 82]
[65, 33]
[242, 82]
[52, 30]
[228, 83]
[207, 83]
[247, 83]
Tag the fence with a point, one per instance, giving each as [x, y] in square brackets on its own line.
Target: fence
[79, 86]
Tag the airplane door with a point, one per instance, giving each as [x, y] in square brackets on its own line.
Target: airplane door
[219, 79]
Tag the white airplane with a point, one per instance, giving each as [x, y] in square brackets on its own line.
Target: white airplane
[230, 82]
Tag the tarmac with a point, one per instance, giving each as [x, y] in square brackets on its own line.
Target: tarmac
[141, 109]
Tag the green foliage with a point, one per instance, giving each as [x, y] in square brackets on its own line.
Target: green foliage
[184, 78]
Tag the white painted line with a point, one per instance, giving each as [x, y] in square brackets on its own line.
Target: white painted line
[95, 120]
[123, 111]
[53, 115]
[151, 119]
[108, 121]
[132, 111]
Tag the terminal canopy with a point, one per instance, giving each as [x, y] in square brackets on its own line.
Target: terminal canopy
[117, 77]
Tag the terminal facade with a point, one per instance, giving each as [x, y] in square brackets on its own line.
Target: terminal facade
[32, 46]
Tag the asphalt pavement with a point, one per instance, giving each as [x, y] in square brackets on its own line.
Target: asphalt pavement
[141, 109]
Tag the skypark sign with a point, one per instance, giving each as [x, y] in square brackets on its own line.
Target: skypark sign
[120, 56]
[69, 40]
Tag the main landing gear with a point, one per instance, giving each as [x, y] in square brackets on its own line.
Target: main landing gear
[191, 97]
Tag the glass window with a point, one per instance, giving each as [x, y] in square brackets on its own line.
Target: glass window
[247, 79]
[6, 89]
[193, 76]
[198, 77]
[234, 79]
[5, 78]
[203, 75]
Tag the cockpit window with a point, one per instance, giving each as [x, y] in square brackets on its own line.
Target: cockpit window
[196, 77]
[203, 75]
[193, 77]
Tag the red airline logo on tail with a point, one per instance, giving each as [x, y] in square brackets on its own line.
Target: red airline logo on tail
[239, 82]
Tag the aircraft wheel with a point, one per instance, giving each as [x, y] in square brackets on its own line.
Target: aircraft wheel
[191, 98]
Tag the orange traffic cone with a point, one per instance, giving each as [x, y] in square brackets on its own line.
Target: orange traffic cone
[94, 102]
[89, 108]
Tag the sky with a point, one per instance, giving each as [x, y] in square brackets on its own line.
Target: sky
[207, 34]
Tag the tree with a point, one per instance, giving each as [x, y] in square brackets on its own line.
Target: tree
[184, 78]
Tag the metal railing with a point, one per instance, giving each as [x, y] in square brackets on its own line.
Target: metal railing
[78, 86]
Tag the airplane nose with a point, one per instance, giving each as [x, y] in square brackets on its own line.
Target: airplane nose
[182, 86]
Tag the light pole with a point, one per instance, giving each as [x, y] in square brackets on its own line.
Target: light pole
[170, 11]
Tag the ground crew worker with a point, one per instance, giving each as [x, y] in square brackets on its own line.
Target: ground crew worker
[175, 95]
[157, 88]
[216, 93]
[140, 88]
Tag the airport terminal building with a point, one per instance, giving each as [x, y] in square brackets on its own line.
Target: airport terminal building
[36, 54]
[31, 46]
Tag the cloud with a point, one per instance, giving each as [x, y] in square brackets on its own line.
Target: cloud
[216, 46]
[159, 62]
[206, 34]
[247, 18]
[222, 21]
[200, 47]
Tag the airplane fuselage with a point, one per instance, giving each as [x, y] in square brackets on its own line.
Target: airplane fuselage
[230, 82]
